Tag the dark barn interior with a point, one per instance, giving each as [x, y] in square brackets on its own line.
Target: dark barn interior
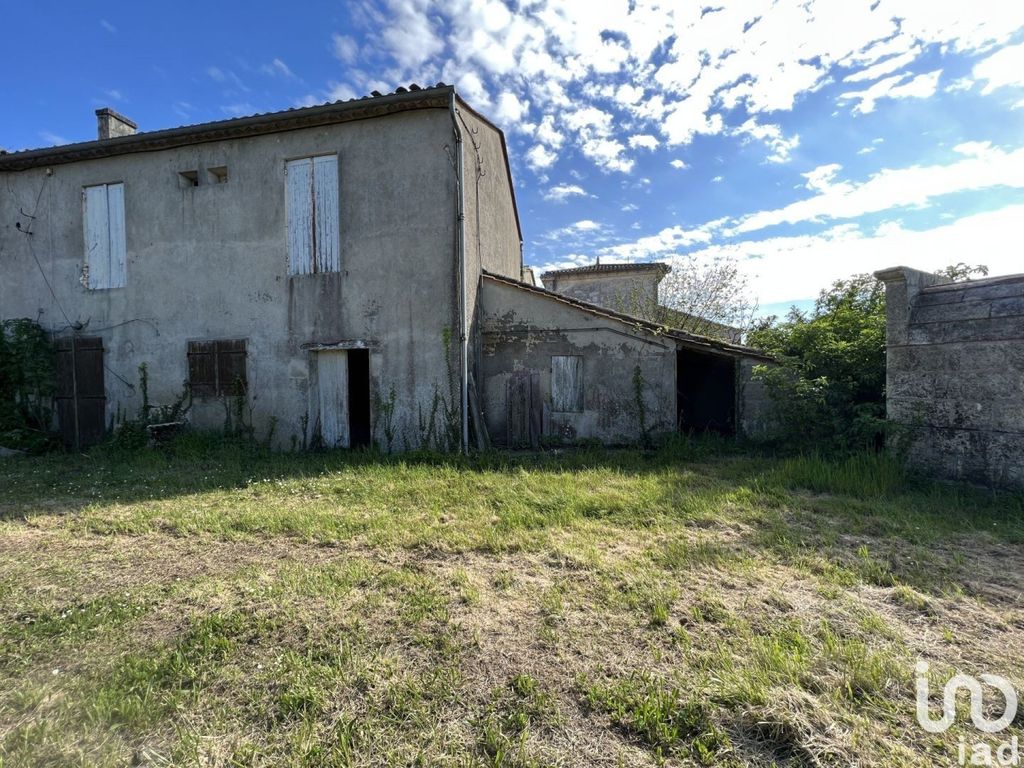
[705, 392]
[359, 398]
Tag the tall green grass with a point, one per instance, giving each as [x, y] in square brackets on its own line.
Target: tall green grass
[862, 475]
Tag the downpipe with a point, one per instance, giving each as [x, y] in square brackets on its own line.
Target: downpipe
[460, 247]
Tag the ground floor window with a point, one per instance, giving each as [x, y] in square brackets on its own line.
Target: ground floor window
[218, 367]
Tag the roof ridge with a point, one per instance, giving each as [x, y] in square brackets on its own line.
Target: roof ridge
[178, 135]
[641, 266]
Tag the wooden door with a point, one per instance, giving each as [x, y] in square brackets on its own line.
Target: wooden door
[81, 396]
[523, 405]
[332, 397]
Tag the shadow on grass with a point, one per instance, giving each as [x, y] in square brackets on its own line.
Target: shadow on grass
[698, 481]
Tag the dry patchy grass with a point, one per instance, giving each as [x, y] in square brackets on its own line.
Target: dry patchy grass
[225, 608]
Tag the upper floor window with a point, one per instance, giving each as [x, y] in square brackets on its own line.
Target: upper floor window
[311, 185]
[105, 253]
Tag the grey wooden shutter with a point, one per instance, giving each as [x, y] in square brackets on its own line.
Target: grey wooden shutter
[566, 383]
[299, 212]
[115, 227]
[105, 250]
[325, 214]
[97, 237]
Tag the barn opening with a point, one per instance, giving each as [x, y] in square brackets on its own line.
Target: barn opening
[705, 392]
[359, 397]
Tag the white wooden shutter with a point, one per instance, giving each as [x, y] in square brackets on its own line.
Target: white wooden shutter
[97, 236]
[299, 213]
[332, 389]
[325, 206]
[118, 251]
[566, 383]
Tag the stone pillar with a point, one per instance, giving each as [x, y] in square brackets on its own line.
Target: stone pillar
[902, 284]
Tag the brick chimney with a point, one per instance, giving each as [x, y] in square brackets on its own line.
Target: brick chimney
[110, 124]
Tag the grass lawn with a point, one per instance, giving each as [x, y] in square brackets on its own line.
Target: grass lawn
[693, 606]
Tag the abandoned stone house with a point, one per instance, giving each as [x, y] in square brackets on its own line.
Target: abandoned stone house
[343, 274]
[955, 374]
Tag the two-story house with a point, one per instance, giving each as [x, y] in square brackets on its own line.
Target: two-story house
[340, 274]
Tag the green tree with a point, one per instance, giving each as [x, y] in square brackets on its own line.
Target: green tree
[828, 387]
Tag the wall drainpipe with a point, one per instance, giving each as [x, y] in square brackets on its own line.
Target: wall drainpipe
[460, 246]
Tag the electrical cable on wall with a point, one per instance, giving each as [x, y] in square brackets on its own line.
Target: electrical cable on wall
[27, 231]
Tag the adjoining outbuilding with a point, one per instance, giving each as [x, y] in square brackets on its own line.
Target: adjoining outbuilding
[559, 368]
[955, 374]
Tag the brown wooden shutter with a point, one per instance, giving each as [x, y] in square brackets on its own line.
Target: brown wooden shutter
[81, 395]
[202, 367]
[231, 367]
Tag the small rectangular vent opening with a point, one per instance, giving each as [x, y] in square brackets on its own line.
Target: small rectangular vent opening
[188, 179]
[218, 175]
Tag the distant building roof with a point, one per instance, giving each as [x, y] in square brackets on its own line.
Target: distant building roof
[655, 266]
[689, 340]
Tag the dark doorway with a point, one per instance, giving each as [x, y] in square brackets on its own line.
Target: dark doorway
[359, 398]
[706, 392]
[81, 397]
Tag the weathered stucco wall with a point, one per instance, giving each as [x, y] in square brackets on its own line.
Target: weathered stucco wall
[521, 332]
[955, 374]
[210, 262]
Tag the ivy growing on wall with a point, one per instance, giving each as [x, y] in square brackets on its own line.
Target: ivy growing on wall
[27, 385]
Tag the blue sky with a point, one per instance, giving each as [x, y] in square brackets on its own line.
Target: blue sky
[809, 140]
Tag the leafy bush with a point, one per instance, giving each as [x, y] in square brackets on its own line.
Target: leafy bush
[828, 388]
[829, 385]
[27, 386]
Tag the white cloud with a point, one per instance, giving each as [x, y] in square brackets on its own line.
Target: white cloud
[345, 47]
[779, 145]
[340, 92]
[226, 77]
[883, 67]
[277, 68]
[607, 71]
[644, 140]
[539, 157]
[717, 179]
[238, 109]
[678, 164]
[607, 155]
[576, 231]
[666, 241]
[983, 167]
[108, 26]
[1004, 67]
[53, 138]
[510, 109]
[797, 267]
[562, 192]
[960, 84]
[896, 87]
[409, 33]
